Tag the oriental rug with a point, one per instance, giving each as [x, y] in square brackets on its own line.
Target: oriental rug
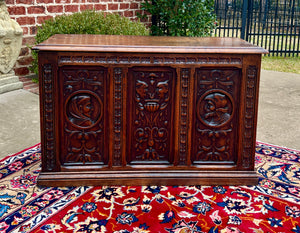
[271, 206]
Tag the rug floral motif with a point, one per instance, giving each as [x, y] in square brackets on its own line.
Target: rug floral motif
[271, 206]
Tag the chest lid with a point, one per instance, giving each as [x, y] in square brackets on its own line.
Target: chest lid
[147, 44]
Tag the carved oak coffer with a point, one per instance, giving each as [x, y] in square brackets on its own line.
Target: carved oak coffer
[135, 110]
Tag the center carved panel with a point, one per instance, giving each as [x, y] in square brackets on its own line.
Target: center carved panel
[217, 103]
[151, 100]
[82, 125]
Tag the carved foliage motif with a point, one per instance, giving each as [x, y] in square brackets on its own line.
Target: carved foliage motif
[215, 111]
[151, 117]
[83, 95]
[49, 158]
[249, 116]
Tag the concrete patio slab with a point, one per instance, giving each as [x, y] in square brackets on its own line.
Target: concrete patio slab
[19, 121]
[279, 109]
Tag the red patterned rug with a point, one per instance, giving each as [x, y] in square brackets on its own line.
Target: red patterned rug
[271, 206]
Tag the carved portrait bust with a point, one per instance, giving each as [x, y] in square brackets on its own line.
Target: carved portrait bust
[215, 109]
[83, 110]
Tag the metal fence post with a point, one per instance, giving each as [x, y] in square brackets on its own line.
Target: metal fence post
[273, 24]
[244, 18]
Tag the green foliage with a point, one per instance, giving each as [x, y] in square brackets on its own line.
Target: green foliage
[181, 17]
[87, 22]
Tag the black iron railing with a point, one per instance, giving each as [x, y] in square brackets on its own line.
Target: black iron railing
[272, 24]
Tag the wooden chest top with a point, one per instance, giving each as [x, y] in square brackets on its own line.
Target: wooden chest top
[147, 44]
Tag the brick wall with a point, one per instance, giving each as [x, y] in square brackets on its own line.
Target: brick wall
[32, 13]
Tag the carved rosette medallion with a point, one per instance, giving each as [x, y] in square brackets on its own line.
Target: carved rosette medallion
[215, 112]
[152, 100]
[83, 115]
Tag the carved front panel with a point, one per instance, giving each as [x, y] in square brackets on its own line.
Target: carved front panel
[151, 104]
[83, 101]
[216, 115]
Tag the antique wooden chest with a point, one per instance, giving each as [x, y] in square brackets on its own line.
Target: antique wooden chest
[137, 110]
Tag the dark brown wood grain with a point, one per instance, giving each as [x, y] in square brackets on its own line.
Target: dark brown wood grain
[150, 115]
[125, 110]
[216, 113]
